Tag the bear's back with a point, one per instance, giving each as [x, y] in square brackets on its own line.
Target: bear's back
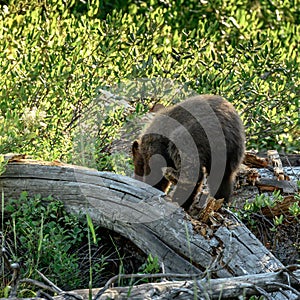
[208, 119]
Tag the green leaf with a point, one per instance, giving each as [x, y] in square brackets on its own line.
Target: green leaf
[91, 227]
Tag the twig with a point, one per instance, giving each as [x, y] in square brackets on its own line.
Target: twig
[149, 276]
[42, 294]
[15, 280]
[55, 287]
[285, 286]
[262, 292]
[38, 284]
[289, 269]
[143, 276]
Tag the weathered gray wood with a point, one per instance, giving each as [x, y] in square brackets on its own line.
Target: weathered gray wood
[285, 186]
[222, 288]
[140, 213]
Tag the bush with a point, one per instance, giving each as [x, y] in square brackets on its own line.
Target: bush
[48, 239]
[55, 54]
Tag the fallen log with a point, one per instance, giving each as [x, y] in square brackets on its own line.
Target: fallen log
[141, 214]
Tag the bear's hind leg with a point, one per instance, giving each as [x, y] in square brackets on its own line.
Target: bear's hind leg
[225, 188]
[187, 204]
[186, 193]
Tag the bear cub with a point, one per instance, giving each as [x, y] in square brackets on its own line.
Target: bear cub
[203, 134]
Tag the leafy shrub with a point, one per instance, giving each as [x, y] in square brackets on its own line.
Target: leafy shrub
[55, 54]
[48, 239]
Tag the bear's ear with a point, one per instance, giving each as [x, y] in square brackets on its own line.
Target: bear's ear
[135, 147]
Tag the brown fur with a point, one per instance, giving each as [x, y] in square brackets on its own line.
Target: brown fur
[207, 133]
